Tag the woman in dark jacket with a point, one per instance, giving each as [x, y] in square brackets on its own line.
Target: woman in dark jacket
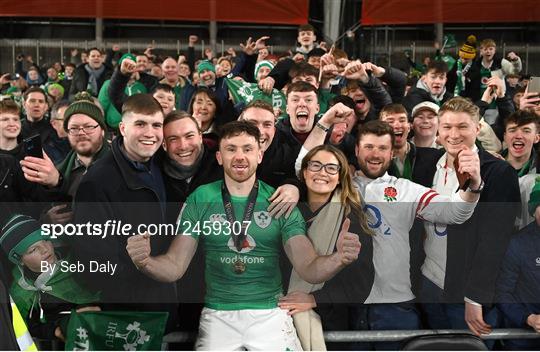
[331, 204]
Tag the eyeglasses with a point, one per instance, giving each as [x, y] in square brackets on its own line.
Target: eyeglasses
[86, 129]
[315, 166]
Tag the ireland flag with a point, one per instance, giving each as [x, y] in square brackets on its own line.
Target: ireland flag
[120, 331]
[245, 92]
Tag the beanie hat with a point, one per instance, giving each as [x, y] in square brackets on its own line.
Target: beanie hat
[263, 63]
[18, 234]
[84, 104]
[127, 56]
[534, 201]
[468, 50]
[206, 66]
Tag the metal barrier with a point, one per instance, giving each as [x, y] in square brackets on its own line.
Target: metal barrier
[377, 336]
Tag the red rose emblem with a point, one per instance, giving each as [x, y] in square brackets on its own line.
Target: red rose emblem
[390, 194]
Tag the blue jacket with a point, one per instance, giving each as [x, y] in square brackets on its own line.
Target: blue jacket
[518, 286]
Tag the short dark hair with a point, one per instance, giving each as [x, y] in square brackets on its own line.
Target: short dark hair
[141, 104]
[96, 49]
[301, 87]
[437, 67]
[393, 109]
[235, 128]
[164, 87]
[522, 118]
[34, 90]
[306, 28]
[69, 64]
[302, 68]
[179, 115]
[316, 52]
[378, 128]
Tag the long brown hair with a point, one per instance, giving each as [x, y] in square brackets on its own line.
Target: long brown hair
[350, 198]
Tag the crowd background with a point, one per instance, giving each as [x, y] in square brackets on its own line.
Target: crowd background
[61, 79]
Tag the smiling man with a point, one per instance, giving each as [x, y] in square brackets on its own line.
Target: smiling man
[242, 243]
[126, 186]
[462, 261]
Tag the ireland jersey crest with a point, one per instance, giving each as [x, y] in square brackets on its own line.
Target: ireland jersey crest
[262, 219]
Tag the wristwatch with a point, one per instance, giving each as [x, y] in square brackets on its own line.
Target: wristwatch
[479, 190]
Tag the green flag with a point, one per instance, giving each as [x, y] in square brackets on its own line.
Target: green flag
[449, 41]
[245, 92]
[120, 331]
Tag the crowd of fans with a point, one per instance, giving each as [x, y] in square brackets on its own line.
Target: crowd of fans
[419, 197]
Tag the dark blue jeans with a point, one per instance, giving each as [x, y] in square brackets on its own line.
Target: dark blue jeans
[388, 316]
[442, 315]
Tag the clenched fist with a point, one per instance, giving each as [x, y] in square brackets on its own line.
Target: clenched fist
[138, 248]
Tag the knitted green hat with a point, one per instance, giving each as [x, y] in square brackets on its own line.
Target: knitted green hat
[127, 56]
[18, 234]
[84, 104]
[534, 201]
[206, 66]
[263, 63]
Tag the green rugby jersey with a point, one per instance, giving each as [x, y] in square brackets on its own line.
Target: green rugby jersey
[259, 285]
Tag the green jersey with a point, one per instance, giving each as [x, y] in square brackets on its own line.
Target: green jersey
[245, 279]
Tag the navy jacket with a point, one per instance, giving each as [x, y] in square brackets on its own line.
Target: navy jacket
[475, 248]
[518, 285]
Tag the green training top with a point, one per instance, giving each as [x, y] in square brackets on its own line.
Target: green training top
[258, 285]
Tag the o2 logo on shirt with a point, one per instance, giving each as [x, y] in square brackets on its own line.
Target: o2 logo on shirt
[375, 219]
[440, 230]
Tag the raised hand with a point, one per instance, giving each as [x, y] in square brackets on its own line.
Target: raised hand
[348, 245]
[138, 248]
[356, 70]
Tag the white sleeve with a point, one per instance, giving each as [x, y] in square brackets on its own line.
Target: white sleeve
[440, 209]
[298, 162]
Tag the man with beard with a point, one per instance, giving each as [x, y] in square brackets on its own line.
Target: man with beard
[393, 205]
[85, 126]
[126, 186]
[242, 272]
[430, 87]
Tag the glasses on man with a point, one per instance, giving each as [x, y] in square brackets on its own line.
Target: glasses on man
[315, 166]
[86, 129]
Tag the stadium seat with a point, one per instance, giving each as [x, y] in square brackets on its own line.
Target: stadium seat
[445, 342]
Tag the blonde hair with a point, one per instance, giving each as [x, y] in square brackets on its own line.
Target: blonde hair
[460, 104]
[350, 198]
[486, 43]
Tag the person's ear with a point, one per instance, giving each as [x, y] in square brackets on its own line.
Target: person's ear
[218, 158]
